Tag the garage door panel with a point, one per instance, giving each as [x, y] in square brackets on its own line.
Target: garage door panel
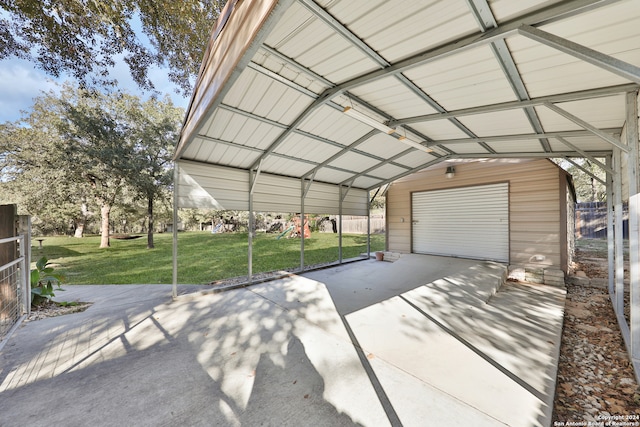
[471, 222]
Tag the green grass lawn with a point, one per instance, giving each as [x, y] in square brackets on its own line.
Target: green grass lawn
[202, 257]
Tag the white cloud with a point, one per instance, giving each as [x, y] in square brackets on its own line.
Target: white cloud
[21, 82]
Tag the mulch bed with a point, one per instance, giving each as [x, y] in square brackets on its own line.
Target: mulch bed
[52, 309]
[596, 382]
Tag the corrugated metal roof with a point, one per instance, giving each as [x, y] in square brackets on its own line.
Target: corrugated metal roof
[463, 78]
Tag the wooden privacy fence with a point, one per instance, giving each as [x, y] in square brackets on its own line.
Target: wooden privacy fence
[591, 220]
[358, 224]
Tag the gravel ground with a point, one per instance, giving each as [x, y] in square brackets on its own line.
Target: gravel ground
[596, 383]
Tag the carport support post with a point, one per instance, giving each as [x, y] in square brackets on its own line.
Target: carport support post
[176, 177]
[369, 231]
[252, 178]
[610, 236]
[633, 163]
[302, 191]
[618, 303]
[340, 224]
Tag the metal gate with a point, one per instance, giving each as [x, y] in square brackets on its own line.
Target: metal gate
[14, 286]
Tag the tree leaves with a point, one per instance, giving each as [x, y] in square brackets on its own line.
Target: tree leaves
[80, 145]
[83, 38]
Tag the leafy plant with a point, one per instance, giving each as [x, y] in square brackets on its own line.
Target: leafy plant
[43, 280]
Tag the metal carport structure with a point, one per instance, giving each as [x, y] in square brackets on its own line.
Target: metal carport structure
[306, 106]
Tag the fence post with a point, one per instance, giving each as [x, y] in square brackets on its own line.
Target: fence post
[24, 228]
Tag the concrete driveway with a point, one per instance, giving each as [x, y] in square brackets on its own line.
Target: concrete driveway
[421, 341]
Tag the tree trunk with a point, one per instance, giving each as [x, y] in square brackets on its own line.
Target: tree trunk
[82, 222]
[104, 238]
[150, 244]
[79, 229]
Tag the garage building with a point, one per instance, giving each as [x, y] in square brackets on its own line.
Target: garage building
[516, 211]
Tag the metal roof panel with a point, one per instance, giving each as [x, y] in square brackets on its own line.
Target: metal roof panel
[498, 123]
[383, 145]
[354, 162]
[415, 159]
[396, 31]
[465, 80]
[504, 10]
[603, 113]
[300, 146]
[522, 146]
[387, 171]
[586, 143]
[392, 96]
[332, 176]
[275, 82]
[439, 129]
[468, 148]
[312, 43]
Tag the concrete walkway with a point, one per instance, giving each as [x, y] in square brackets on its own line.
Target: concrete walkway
[421, 341]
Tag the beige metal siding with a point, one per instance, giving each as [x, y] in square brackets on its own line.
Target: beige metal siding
[211, 187]
[534, 211]
[218, 187]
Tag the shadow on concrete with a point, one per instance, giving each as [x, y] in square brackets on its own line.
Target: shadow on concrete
[226, 359]
[371, 343]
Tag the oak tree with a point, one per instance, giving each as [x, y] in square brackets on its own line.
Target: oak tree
[84, 38]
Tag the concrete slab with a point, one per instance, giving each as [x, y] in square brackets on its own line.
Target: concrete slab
[421, 341]
[359, 285]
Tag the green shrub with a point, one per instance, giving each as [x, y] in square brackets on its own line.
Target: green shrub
[43, 280]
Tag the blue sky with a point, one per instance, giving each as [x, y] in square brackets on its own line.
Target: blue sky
[21, 82]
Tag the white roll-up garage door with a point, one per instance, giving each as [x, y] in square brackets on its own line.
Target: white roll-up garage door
[468, 222]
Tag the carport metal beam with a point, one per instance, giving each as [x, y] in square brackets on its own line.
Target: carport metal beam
[461, 45]
[174, 246]
[270, 122]
[586, 171]
[610, 228]
[253, 179]
[340, 153]
[501, 52]
[594, 130]
[483, 15]
[536, 155]
[609, 63]
[513, 105]
[302, 197]
[522, 137]
[340, 198]
[618, 300]
[587, 156]
[279, 155]
[633, 163]
[211, 93]
[338, 27]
